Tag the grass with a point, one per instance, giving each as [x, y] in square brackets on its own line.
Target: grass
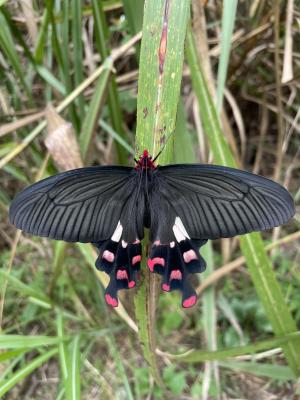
[58, 338]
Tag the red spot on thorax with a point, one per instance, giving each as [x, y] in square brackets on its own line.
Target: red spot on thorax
[145, 161]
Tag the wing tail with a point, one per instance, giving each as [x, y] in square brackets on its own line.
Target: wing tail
[121, 261]
[176, 261]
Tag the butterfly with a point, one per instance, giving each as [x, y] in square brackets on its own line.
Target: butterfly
[182, 205]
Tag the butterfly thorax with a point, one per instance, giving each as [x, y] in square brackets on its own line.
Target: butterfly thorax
[145, 162]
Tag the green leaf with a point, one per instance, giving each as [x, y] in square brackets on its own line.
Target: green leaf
[26, 290]
[93, 112]
[9, 49]
[134, 14]
[8, 355]
[76, 8]
[107, 128]
[193, 356]
[23, 372]
[101, 33]
[278, 372]
[161, 61]
[120, 367]
[73, 374]
[184, 151]
[175, 381]
[63, 348]
[228, 18]
[26, 342]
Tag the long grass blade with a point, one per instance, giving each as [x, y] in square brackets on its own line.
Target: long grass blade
[278, 372]
[252, 246]
[164, 30]
[26, 342]
[76, 7]
[9, 49]
[194, 356]
[101, 31]
[21, 373]
[73, 374]
[93, 112]
[228, 18]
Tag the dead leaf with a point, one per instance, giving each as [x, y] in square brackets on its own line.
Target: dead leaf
[61, 141]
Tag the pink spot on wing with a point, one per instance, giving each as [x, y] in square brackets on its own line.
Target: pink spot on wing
[189, 256]
[136, 259]
[165, 287]
[157, 243]
[122, 274]
[190, 301]
[131, 284]
[156, 260]
[111, 301]
[137, 241]
[108, 256]
[176, 274]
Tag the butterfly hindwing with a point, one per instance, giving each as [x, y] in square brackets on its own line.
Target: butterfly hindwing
[121, 261]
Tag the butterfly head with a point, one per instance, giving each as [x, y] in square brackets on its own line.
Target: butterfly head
[145, 161]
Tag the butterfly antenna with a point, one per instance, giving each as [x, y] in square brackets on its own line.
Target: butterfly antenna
[164, 145]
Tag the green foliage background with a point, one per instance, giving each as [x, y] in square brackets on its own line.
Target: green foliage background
[58, 338]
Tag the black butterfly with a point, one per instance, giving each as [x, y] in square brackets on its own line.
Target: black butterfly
[183, 205]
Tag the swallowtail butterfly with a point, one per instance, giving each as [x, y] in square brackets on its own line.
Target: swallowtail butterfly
[183, 205]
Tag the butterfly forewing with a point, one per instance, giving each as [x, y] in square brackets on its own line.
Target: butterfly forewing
[215, 201]
[80, 205]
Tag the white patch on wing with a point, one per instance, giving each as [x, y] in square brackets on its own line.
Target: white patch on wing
[124, 244]
[117, 233]
[172, 244]
[108, 256]
[179, 230]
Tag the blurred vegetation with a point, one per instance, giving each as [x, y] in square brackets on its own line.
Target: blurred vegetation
[58, 338]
